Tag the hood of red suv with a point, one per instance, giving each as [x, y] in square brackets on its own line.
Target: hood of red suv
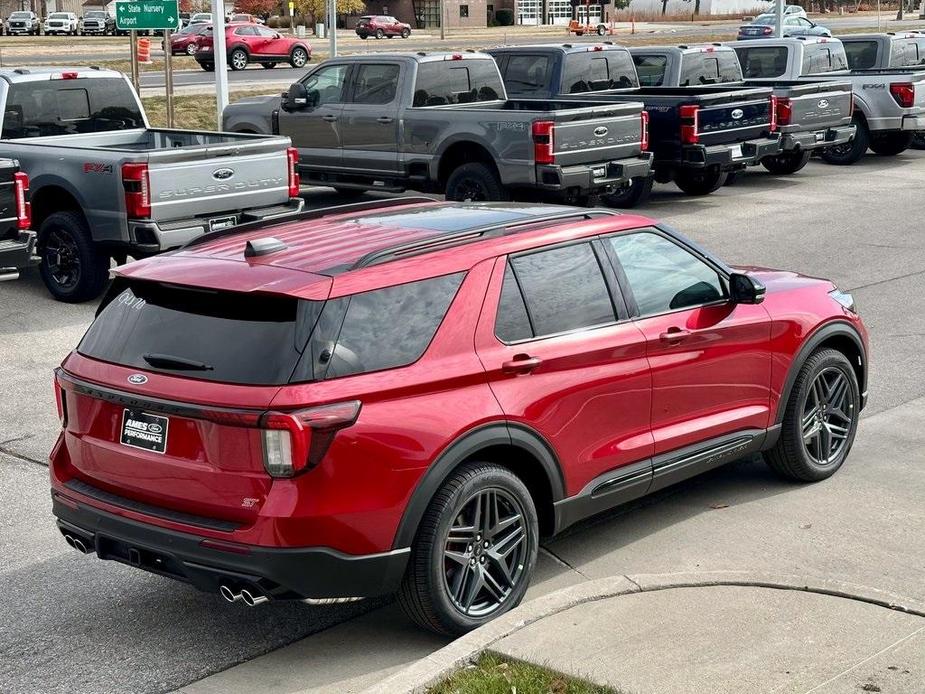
[782, 280]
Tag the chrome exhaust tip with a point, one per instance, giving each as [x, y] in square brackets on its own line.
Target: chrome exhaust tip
[79, 545]
[252, 600]
[70, 540]
[229, 594]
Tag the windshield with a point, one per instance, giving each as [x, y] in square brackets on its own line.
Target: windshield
[20, 15]
[96, 14]
[58, 15]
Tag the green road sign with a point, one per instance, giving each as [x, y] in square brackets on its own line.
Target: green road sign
[147, 14]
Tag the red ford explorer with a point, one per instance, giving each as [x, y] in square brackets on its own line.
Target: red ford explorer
[407, 396]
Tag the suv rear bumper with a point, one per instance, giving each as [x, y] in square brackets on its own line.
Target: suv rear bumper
[732, 155]
[594, 178]
[313, 573]
[813, 139]
[153, 237]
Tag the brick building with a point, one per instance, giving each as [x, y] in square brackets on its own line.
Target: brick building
[425, 14]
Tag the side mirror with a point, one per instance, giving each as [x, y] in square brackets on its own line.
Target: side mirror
[745, 289]
[297, 97]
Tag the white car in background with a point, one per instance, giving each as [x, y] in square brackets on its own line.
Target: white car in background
[64, 23]
[789, 11]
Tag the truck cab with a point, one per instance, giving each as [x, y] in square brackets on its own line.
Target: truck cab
[877, 51]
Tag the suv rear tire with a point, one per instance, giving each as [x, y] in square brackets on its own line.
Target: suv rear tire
[474, 181]
[700, 181]
[823, 407]
[850, 152]
[891, 144]
[73, 269]
[787, 163]
[468, 567]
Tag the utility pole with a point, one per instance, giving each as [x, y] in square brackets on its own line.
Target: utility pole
[332, 27]
[442, 20]
[220, 58]
[779, 18]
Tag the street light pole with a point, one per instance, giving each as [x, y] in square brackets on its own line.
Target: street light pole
[442, 20]
[332, 27]
[220, 58]
[779, 18]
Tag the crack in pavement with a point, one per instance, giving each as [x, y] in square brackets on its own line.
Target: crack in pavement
[19, 456]
[888, 279]
[555, 557]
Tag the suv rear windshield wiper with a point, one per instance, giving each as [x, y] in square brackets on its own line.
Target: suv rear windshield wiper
[166, 361]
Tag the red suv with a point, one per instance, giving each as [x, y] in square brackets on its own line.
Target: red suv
[246, 42]
[407, 396]
[381, 25]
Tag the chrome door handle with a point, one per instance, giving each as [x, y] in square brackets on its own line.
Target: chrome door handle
[385, 120]
[329, 118]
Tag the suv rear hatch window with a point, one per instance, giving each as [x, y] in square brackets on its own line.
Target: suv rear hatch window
[203, 334]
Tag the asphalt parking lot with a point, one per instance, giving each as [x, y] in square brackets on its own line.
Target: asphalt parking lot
[72, 623]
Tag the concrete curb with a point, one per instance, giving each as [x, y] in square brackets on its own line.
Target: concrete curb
[435, 667]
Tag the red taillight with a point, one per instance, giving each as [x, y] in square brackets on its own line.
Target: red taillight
[297, 441]
[644, 144]
[295, 181]
[784, 111]
[543, 142]
[767, 30]
[690, 124]
[60, 402]
[23, 206]
[773, 126]
[137, 187]
[456, 56]
[904, 93]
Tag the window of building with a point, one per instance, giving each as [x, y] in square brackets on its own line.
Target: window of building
[463, 11]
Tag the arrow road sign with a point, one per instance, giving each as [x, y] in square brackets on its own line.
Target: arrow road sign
[147, 15]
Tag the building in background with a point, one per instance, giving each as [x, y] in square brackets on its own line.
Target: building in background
[425, 14]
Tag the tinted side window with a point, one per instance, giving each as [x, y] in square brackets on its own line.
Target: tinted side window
[763, 62]
[564, 289]
[512, 322]
[527, 74]
[663, 276]
[715, 68]
[391, 327]
[818, 59]
[651, 69]
[326, 86]
[59, 107]
[375, 84]
[595, 71]
[862, 55]
[463, 82]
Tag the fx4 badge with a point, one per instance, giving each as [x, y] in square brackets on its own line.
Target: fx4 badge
[97, 167]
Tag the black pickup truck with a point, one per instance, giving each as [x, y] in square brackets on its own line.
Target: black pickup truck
[17, 242]
[697, 134]
[810, 115]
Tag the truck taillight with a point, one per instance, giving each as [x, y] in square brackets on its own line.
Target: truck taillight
[295, 181]
[137, 186]
[543, 142]
[297, 441]
[23, 206]
[644, 144]
[784, 111]
[774, 123]
[690, 124]
[903, 93]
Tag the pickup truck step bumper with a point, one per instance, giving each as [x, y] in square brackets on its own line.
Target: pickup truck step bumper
[594, 178]
[732, 155]
[913, 122]
[814, 139]
[16, 254]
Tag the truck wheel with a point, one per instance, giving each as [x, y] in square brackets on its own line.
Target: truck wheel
[850, 152]
[891, 144]
[72, 268]
[238, 59]
[636, 193]
[474, 181]
[787, 163]
[700, 181]
[918, 140]
[474, 553]
[820, 421]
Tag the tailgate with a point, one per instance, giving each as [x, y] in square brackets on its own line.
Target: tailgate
[734, 122]
[219, 180]
[587, 138]
[822, 109]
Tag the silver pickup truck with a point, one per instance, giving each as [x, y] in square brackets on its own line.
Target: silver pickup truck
[442, 122]
[889, 104]
[106, 186]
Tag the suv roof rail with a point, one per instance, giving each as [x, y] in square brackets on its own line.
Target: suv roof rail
[309, 214]
[458, 238]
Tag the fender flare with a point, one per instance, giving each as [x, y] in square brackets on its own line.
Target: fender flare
[838, 328]
[458, 138]
[464, 447]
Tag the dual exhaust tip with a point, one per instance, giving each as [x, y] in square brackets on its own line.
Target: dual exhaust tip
[77, 544]
[251, 599]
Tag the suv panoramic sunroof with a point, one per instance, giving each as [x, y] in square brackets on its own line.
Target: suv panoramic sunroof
[450, 218]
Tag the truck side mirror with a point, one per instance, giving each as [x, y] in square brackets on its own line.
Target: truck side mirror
[745, 289]
[297, 97]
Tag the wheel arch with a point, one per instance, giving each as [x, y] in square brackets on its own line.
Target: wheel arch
[839, 335]
[463, 152]
[53, 197]
[516, 447]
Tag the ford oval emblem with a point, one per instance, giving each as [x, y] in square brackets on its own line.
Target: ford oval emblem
[222, 174]
[155, 428]
[600, 132]
[823, 103]
[737, 113]
[138, 379]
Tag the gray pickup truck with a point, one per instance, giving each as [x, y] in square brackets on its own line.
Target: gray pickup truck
[106, 186]
[810, 115]
[879, 51]
[442, 122]
[889, 104]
